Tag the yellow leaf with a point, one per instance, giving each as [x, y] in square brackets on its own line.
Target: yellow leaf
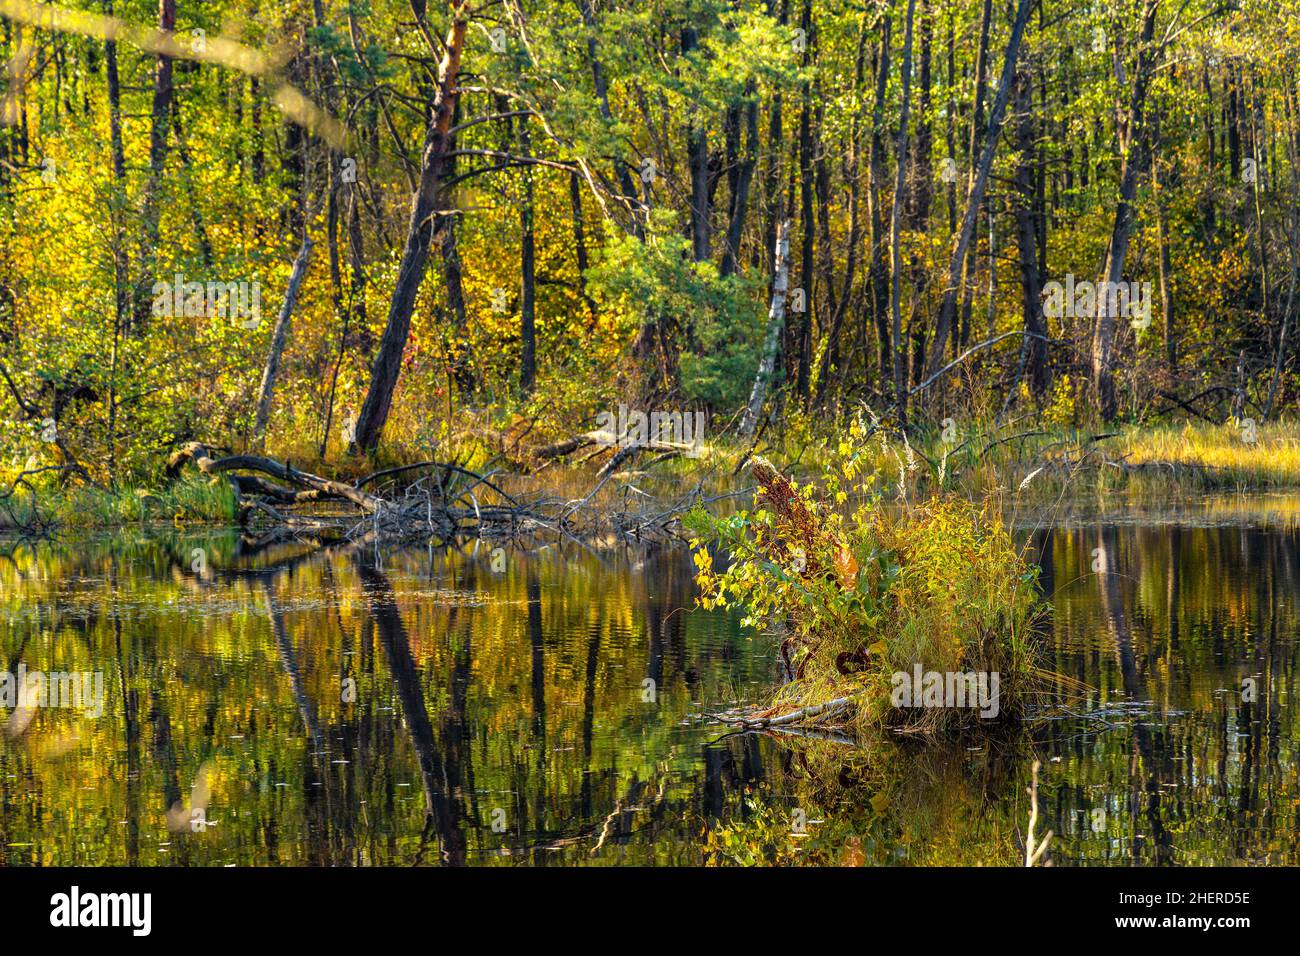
[846, 567]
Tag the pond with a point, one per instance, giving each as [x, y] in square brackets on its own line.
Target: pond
[284, 705]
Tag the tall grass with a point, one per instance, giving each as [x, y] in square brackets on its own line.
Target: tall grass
[1229, 456]
[191, 499]
[981, 457]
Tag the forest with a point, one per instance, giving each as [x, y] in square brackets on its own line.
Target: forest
[389, 232]
[650, 431]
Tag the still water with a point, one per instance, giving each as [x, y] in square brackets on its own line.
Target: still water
[283, 706]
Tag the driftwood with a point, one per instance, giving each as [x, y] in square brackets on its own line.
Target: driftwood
[566, 447]
[1034, 849]
[795, 718]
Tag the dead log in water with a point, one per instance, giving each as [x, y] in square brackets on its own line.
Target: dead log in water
[199, 455]
[450, 503]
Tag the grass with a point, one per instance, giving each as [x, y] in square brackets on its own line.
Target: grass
[191, 499]
[980, 458]
[1262, 456]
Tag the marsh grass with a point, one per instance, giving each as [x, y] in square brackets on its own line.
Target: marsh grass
[188, 500]
[1229, 456]
[978, 458]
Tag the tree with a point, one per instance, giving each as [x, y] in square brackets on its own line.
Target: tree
[419, 231]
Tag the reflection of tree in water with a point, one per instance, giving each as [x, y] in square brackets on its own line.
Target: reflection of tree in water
[439, 777]
[1184, 614]
[1146, 773]
[524, 691]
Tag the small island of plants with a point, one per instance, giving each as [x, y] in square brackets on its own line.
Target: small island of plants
[912, 615]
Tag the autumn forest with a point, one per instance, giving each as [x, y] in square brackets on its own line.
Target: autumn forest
[422, 231]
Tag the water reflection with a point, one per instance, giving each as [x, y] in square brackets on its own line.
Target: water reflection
[343, 707]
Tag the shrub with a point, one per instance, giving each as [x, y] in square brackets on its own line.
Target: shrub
[863, 595]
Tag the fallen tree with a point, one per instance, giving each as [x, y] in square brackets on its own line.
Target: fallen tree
[322, 487]
[447, 502]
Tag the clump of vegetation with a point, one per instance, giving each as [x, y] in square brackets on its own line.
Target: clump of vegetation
[870, 595]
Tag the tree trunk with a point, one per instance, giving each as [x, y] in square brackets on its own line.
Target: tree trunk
[895, 248]
[453, 277]
[528, 278]
[1293, 236]
[922, 192]
[1166, 274]
[922, 156]
[121, 267]
[975, 194]
[356, 306]
[415, 253]
[280, 338]
[1133, 149]
[831, 355]
[775, 321]
[807, 225]
[1033, 350]
[152, 208]
[952, 120]
[743, 182]
[977, 130]
[697, 159]
[580, 242]
[773, 209]
[879, 269]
